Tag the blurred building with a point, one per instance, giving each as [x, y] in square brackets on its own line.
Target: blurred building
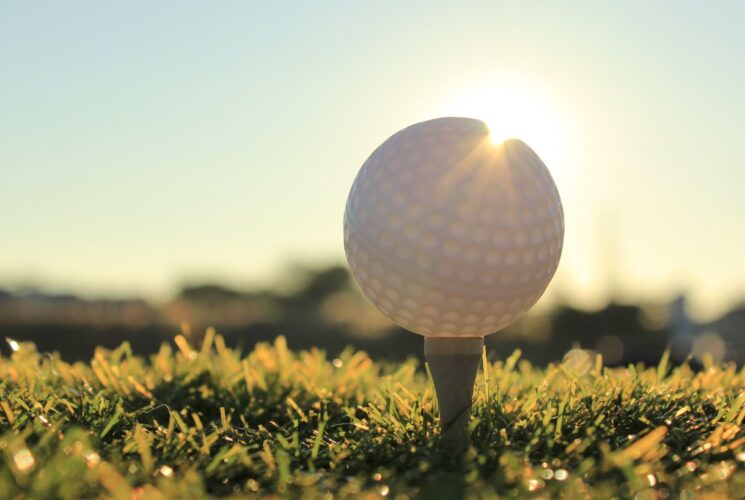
[38, 308]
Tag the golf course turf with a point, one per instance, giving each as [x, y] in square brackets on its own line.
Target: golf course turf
[200, 419]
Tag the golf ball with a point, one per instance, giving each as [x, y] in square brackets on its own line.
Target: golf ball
[450, 234]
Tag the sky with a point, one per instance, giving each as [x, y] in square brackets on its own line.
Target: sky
[148, 144]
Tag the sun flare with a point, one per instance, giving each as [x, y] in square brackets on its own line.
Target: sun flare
[514, 112]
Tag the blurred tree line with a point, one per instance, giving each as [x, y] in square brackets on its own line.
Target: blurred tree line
[326, 310]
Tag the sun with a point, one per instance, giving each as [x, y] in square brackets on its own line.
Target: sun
[513, 112]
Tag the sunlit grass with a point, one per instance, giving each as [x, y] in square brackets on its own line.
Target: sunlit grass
[203, 419]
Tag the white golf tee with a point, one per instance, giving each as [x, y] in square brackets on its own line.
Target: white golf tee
[453, 362]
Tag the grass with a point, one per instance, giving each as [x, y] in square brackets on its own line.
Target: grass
[207, 421]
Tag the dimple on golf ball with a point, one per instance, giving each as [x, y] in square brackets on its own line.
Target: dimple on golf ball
[450, 234]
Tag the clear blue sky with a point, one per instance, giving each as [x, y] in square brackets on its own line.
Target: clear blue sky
[143, 143]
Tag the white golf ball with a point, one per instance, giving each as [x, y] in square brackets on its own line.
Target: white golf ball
[449, 234]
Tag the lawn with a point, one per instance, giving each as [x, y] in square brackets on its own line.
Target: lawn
[206, 420]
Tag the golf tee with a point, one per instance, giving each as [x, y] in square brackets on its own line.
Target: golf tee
[453, 362]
